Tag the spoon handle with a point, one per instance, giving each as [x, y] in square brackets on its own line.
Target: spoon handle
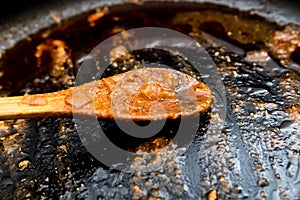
[34, 106]
[75, 100]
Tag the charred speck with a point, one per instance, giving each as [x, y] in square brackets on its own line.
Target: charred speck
[296, 55]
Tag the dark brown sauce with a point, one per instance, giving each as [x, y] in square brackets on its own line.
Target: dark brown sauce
[80, 37]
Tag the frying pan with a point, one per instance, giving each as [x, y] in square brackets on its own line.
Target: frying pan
[255, 156]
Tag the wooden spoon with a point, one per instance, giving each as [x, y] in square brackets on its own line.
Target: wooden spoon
[141, 95]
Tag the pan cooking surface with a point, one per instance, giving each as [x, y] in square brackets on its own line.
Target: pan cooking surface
[256, 155]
